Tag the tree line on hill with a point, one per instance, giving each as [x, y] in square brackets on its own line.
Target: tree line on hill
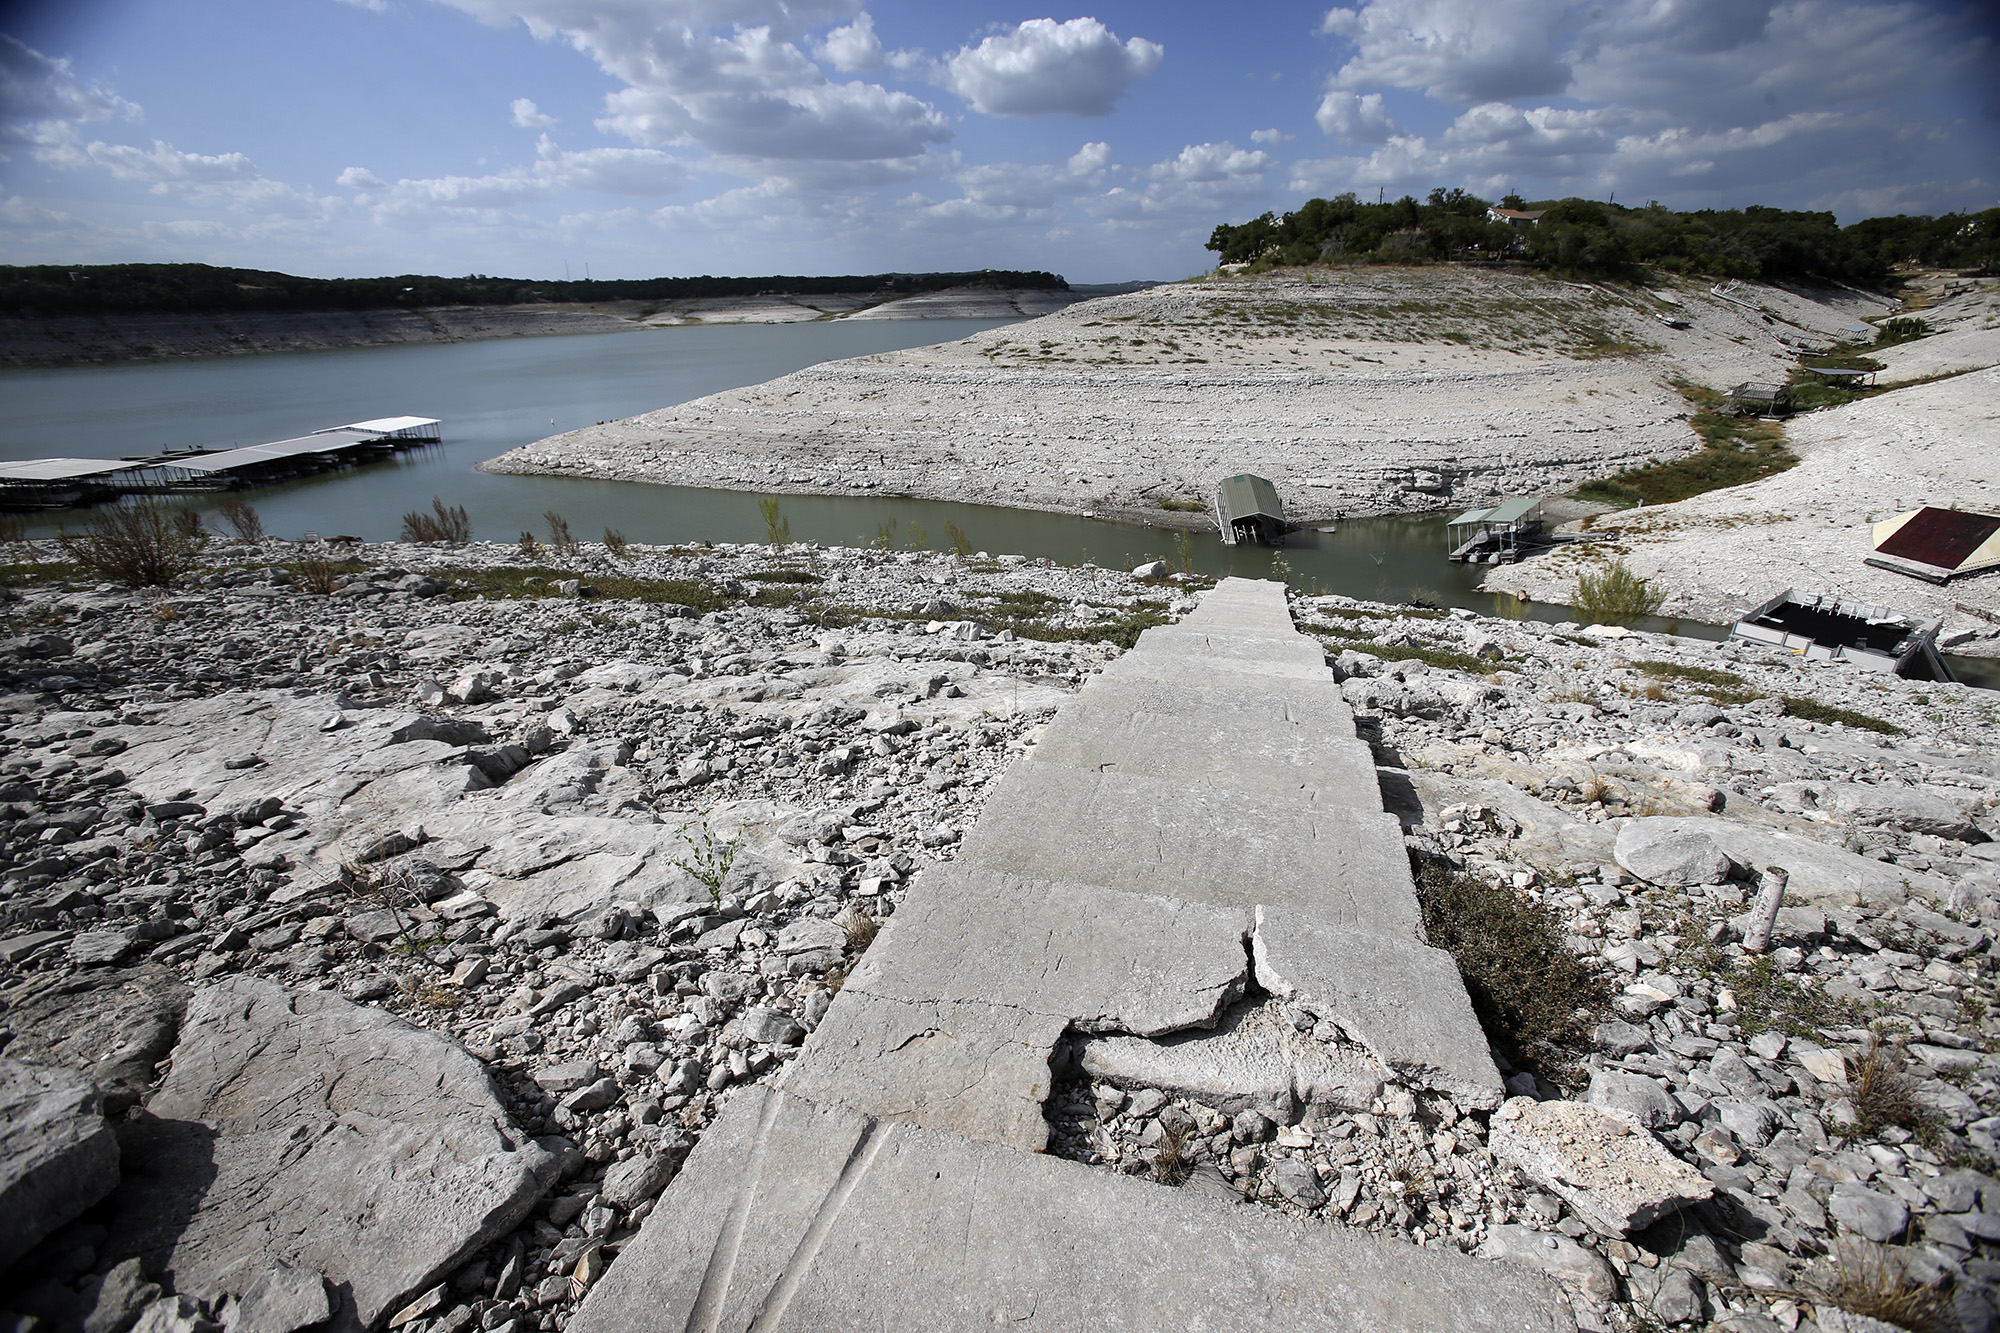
[1587, 238]
[43, 290]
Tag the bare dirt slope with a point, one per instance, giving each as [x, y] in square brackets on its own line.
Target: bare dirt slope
[1936, 443]
[1361, 391]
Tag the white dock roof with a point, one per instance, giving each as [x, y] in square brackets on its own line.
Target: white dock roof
[386, 425]
[62, 469]
[324, 442]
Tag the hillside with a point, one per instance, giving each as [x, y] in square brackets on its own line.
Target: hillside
[1358, 391]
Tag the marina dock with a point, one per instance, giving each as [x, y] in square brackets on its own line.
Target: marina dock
[60, 483]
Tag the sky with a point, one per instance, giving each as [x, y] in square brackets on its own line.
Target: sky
[641, 138]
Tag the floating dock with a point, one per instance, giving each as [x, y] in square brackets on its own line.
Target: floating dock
[1247, 510]
[1499, 535]
[1825, 628]
[58, 483]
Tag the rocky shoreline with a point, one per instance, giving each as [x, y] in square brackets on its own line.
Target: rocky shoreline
[1367, 391]
[554, 853]
[1721, 554]
[86, 339]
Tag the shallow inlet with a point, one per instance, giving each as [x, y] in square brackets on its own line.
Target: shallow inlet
[494, 396]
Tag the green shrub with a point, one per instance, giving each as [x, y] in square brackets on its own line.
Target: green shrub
[142, 545]
[1616, 596]
[1806, 710]
[1533, 997]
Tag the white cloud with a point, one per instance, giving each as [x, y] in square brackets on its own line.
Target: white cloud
[360, 178]
[41, 101]
[372, 6]
[1781, 98]
[1016, 186]
[527, 116]
[1355, 117]
[167, 167]
[854, 48]
[1454, 50]
[1272, 137]
[1077, 68]
[629, 171]
[1201, 181]
[748, 91]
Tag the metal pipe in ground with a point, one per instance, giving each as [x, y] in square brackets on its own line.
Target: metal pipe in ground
[1763, 918]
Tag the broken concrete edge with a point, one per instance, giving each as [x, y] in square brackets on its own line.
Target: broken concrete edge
[1417, 1021]
[795, 1215]
[1100, 959]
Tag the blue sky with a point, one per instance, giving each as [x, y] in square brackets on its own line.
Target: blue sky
[647, 137]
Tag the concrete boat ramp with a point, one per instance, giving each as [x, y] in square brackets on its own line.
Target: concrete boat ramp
[1198, 831]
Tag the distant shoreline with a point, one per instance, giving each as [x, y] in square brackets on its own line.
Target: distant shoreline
[68, 340]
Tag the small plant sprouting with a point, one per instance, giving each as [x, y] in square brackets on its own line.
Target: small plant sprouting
[885, 534]
[917, 539]
[242, 519]
[961, 545]
[561, 540]
[1171, 1164]
[530, 548]
[614, 542]
[1281, 568]
[142, 545]
[777, 528]
[445, 523]
[317, 574]
[708, 858]
[1184, 551]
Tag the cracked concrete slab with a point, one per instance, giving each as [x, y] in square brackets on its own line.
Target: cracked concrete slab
[1097, 958]
[1222, 749]
[1152, 835]
[980, 1071]
[1400, 999]
[792, 1216]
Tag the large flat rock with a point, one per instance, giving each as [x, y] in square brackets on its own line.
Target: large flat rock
[1818, 873]
[1102, 960]
[1402, 1000]
[1152, 835]
[114, 1027]
[797, 1216]
[976, 1070]
[1222, 749]
[57, 1155]
[299, 1128]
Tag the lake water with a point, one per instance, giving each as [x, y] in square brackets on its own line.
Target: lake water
[493, 396]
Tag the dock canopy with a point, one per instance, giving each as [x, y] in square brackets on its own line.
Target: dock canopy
[1937, 545]
[231, 460]
[1495, 535]
[1758, 396]
[62, 469]
[394, 428]
[1825, 628]
[1247, 507]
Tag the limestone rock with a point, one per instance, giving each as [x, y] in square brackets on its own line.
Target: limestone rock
[298, 1128]
[1675, 860]
[113, 1027]
[1818, 873]
[283, 1299]
[1613, 1174]
[1635, 1095]
[57, 1156]
[1577, 1268]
